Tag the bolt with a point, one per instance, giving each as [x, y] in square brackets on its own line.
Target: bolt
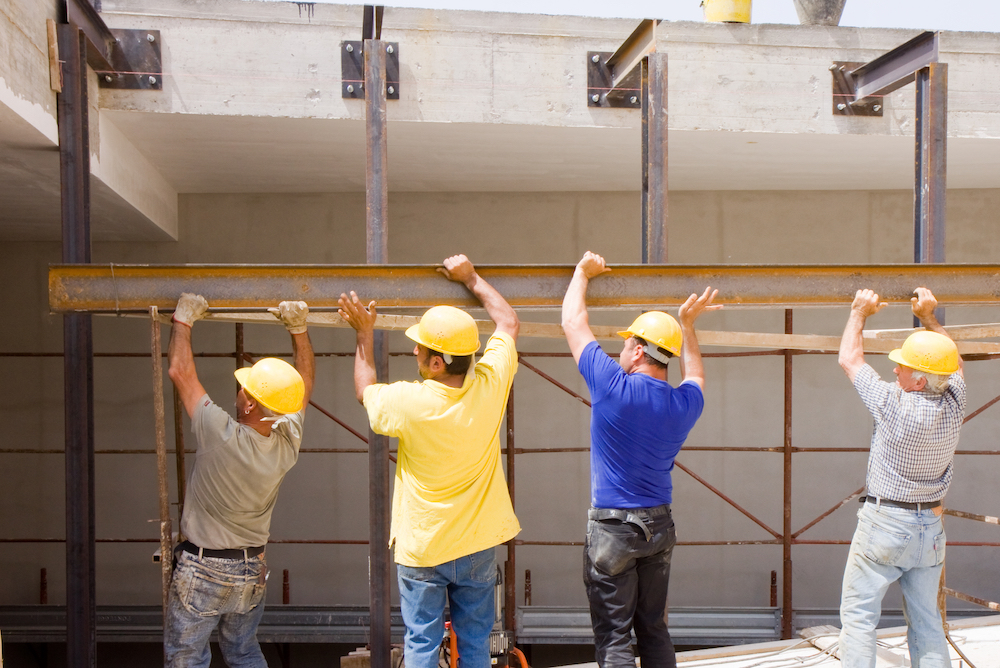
[833, 68]
[388, 49]
[841, 106]
[595, 98]
[633, 99]
[152, 81]
[150, 38]
[877, 108]
[595, 58]
[349, 48]
[391, 90]
[350, 88]
[107, 77]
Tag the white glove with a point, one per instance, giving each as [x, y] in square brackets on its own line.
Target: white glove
[292, 315]
[190, 309]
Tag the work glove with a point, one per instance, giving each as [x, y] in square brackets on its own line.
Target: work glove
[190, 308]
[292, 315]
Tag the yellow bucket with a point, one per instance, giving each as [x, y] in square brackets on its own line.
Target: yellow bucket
[726, 11]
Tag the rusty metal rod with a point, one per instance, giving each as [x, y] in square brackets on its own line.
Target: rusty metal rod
[989, 519]
[510, 572]
[160, 427]
[556, 383]
[135, 287]
[727, 499]
[971, 599]
[980, 409]
[853, 495]
[786, 524]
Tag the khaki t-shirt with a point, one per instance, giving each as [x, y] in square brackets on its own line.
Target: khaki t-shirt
[236, 476]
[450, 497]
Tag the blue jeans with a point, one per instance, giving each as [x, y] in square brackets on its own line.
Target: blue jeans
[468, 584]
[626, 578]
[894, 544]
[206, 593]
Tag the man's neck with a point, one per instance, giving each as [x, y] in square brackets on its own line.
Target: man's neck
[255, 423]
[653, 371]
[449, 379]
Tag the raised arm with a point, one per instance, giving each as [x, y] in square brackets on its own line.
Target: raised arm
[458, 268]
[852, 350]
[190, 309]
[575, 320]
[363, 322]
[692, 367]
[293, 315]
[924, 305]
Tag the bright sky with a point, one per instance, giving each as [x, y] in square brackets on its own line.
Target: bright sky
[922, 14]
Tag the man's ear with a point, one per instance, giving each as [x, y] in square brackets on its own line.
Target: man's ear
[437, 363]
[921, 383]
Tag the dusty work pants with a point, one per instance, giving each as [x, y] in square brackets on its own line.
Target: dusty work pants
[894, 544]
[626, 578]
[208, 592]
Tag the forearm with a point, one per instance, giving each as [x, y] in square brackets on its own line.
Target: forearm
[692, 367]
[852, 349]
[364, 365]
[496, 306]
[182, 371]
[574, 305]
[305, 362]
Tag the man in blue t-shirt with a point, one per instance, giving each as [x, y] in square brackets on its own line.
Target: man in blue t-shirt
[638, 424]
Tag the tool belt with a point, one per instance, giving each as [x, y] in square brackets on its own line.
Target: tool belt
[925, 505]
[245, 553]
[629, 516]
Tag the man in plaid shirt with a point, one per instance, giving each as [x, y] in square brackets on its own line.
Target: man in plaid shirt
[900, 535]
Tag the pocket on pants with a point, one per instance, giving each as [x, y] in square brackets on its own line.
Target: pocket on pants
[610, 545]
[883, 546]
[483, 566]
[939, 545]
[205, 595]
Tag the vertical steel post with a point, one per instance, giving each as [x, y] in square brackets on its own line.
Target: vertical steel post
[786, 533]
[654, 159]
[930, 179]
[377, 246]
[510, 568]
[160, 424]
[78, 356]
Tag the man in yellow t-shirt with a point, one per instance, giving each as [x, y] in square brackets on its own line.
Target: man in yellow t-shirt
[451, 507]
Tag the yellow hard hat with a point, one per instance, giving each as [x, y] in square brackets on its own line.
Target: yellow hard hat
[446, 329]
[928, 351]
[658, 328]
[274, 383]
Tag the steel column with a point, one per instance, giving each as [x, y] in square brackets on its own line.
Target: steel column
[78, 360]
[159, 421]
[654, 159]
[930, 180]
[510, 568]
[786, 530]
[377, 248]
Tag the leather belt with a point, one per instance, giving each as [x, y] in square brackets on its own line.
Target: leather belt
[245, 553]
[629, 516]
[924, 505]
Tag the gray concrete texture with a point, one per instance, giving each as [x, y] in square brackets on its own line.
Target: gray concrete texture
[325, 495]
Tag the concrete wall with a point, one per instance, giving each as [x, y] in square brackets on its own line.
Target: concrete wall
[325, 495]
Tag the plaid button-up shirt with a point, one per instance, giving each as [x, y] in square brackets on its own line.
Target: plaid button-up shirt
[914, 440]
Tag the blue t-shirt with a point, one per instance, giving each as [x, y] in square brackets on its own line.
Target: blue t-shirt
[637, 426]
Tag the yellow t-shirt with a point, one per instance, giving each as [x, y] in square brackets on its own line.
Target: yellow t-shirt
[450, 498]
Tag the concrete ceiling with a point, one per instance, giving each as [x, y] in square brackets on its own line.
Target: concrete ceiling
[205, 154]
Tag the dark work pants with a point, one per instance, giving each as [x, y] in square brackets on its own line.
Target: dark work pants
[626, 578]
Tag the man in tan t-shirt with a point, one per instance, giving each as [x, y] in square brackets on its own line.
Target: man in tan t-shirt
[220, 570]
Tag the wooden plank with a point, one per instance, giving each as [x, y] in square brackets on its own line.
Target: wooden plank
[543, 330]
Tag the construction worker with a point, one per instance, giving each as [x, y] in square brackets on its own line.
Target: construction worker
[900, 535]
[638, 424]
[450, 507]
[220, 570]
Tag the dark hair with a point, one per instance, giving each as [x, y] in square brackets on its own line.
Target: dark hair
[459, 363]
[646, 356]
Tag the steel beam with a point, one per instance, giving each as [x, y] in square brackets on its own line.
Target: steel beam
[654, 159]
[123, 288]
[100, 41]
[931, 163]
[624, 63]
[78, 354]
[894, 69]
[377, 250]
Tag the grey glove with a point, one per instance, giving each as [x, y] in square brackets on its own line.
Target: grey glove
[190, 309]
[292, 315]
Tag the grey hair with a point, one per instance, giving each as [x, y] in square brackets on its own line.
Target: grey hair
[936, 383]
